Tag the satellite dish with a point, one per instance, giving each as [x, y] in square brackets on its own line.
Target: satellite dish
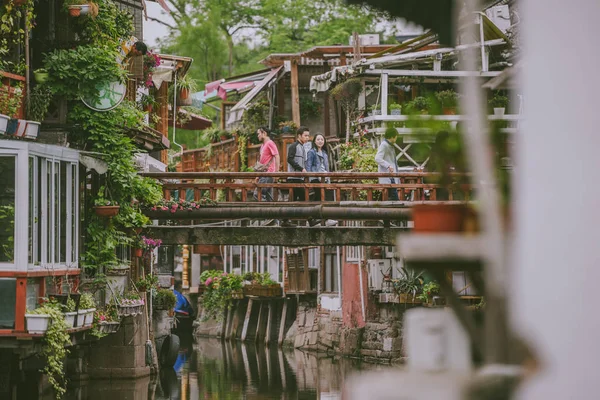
[110, 95]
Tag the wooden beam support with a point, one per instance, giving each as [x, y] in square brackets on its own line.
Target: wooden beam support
[295, 93]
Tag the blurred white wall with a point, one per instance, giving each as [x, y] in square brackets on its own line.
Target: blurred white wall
[557, 270]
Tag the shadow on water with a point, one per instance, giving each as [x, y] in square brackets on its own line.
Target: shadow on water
[215, 370]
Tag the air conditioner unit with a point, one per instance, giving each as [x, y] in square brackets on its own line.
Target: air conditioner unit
[366, 40]
[377, 268]
[500, 16]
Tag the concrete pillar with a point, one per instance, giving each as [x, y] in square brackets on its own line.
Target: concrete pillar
[262, 322]
[229, 320]
[557, 230]
[282, 324]
[251, 320]
[271, 321]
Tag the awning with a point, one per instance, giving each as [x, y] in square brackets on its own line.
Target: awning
[322, 83]
[238, 83]
[98, 165]
[195, 123]
[237, 111]
[146, 163]
[148, 138]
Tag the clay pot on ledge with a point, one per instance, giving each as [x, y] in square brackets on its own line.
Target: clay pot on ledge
[138, 253]
[107, 211]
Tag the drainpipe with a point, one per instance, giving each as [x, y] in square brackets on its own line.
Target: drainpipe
[339, 274]
[175, 114]
[360, 278]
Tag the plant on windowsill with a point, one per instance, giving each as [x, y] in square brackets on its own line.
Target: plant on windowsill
[87, 307]
[105, 322]
[129, 304]
[174, 206]
[498, 102]
[76, 7]
[148, 103]
[419, 105]
[375, 109]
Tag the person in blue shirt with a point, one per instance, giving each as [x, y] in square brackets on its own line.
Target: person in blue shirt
[317, 160]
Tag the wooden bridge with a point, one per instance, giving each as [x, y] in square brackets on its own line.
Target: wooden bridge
[232, 214]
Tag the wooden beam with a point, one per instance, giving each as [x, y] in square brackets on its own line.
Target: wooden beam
[295, 94]
[163, 113]
[276, 236]
[21, 304]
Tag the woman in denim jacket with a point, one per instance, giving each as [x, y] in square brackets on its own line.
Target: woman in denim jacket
[317, 160]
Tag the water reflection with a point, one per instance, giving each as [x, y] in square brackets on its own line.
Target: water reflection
[217, 370]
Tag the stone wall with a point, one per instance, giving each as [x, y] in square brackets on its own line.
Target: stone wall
[121, 354]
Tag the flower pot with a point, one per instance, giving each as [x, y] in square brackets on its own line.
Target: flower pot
[89, 317]
[449, 110]
[21, 127]
[396, 111]
[74, 11]
[439, 217]
[40, 77]
[499, 111]
[12, 126]
[84, 9]
[70, 319]
[148, 108]
[3, 123]
[37, 323]
[184, 93]
[108, 326]
[138, 230]
[138, 253]
[32, 129]
[107, 211]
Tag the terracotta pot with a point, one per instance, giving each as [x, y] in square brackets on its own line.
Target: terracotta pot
[184, 94]
[74, 11]
[449, 110]
[440, 217]
[107, 211]
[137, 230]
[149, 108]
[138, 253]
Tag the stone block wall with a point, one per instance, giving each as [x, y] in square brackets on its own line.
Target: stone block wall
[121, 354]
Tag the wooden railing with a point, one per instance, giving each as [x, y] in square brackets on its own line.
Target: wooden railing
[347, 186]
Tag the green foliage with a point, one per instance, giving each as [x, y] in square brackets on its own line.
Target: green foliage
[7, 227]
[87, 301]
[429, 290]
[448, 98]
[165, 299]
[419, 104]
[146, 283]
[39, 101]
[101, 244]
[498, 100]
[131, 217]
[257, 278]
[77, 72]
[187, 82]
[55, 345]
[9, 104]
[410, 282]
[256, 115]
[309, 108]
[358, 155]
[217, 296]
[70, 306]
[110, 26]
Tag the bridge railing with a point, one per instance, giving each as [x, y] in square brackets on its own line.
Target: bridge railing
[347, 186]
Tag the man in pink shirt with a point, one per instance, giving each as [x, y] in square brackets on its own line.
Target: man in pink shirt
[269, 157]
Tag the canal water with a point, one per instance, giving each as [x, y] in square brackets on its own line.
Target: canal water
[215, 370]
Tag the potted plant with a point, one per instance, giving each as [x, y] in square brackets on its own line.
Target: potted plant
[105, 207]
[224, 135]
[430, 289]
[87, 307]
[148, 102]
[164, 299]
[107, 321]
[147, 283]
[40, 75]
[129, 304]
[448, 99]
[70, 312]
[498, 102]
[408, 285]
[76, 7]
[37, 108]
[213, 135]
[10, 103]
[40, 319]
[395, 109]
[420, 105]
[447, 160]
[375, 109]
[347, 94]
[288, 127]
[186, 85]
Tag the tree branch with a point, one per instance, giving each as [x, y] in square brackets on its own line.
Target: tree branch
[162, 23]
[244, 26]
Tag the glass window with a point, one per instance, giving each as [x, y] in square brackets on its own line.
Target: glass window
[74, 218]
[7, 208]
[31, 185]
[63, 216]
